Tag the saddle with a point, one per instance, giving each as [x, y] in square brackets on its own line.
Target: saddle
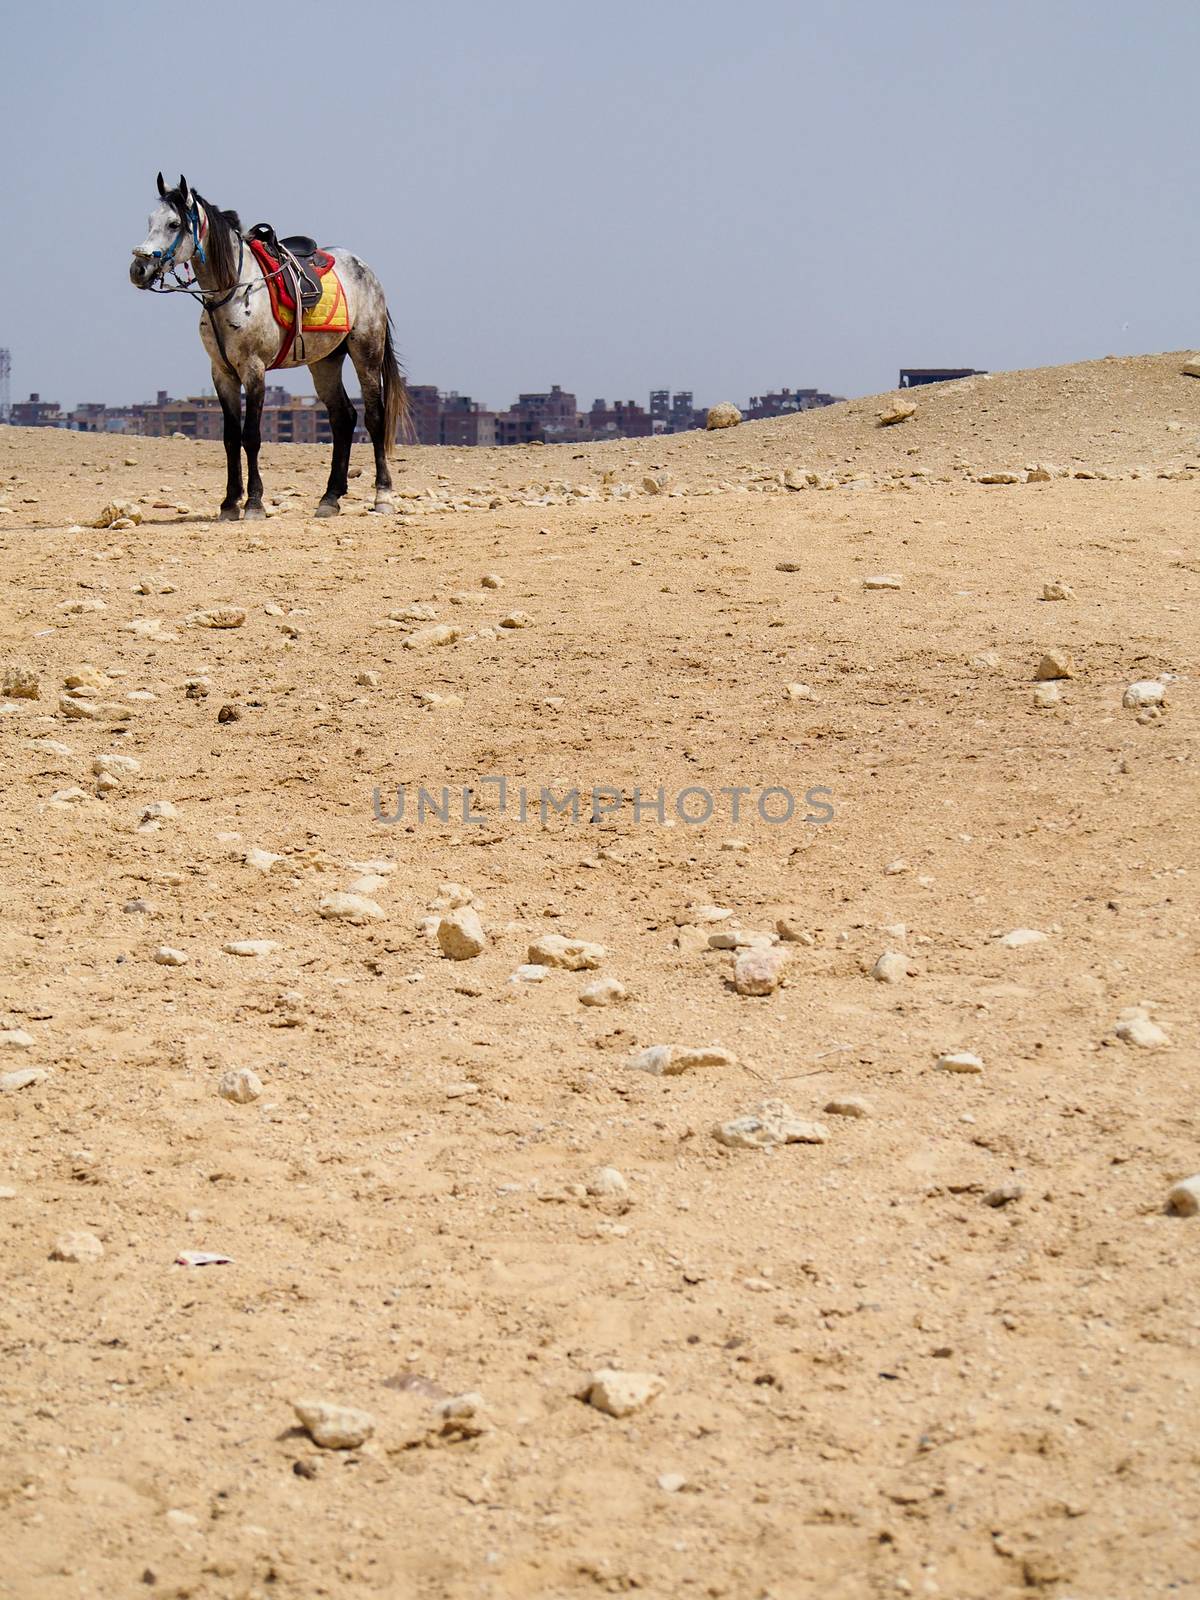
[300, 259]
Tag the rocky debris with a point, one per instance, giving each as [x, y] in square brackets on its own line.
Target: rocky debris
[81, 1248]
[576, 955]
[723, 415]
[850, 1105]
[884, 580]
[1148, 692]
[1020, 937]
[1135, 1026]
[891, 967]
[151, 817]
[491, 580]
[241, 1085]
[16, 1039]
[759, 971]
[897, 411]
[516, 619]
[656, 482]
[427, 638]
[999, 476]
[1003, 1196]
[620, 1394]
[460, 934]
[528, 972]
[1055, 664]
[115, 768]
[603, 992]
[250, 947]
[260, 860]
[118, 514]
[20, 683]
[771, 1123]
[23, 1078]
[334, 1427]
[356, 909]
[1047, 695]
[671, 1482]
[741, 939]
[799, 691]
[217, 617]
[167, 956]
[462, 1416]
[959, 1061]
[668, 1060]
[1190, 369]
[607, 1183]
[1057, 591]
[1183, 1198]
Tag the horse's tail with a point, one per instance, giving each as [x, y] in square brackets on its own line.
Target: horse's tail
[395, 393]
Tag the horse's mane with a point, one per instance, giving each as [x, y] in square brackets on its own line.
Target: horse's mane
[220, 246]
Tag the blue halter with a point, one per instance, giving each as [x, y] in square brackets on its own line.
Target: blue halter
[191, 218]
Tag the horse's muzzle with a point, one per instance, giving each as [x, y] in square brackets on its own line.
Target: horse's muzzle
[141, 271]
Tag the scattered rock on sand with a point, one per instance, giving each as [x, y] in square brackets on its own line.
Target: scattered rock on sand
[1020, 937]
[1148, 692]
[1055, 664]
[960, 1061]
[218, 617]
[1136, 1027]
[353, 908]
[891, 967]
[759, 971]
[771, 1123]
[167, 956]
[554, 950]
[1047, 695]
[897, 411]
[78, 1247]
[884, 580]
[249, 947]
[850, 1105]
[241, 1085]
[334, 1427]
[23, 1078]
[669, 1060]
[16, 1039]
[606, 1182]
[20, 683]
[1183, 1198]
[460, 934]
[723, 415]
[620, 1394]
[603, 992]
[1057, 591]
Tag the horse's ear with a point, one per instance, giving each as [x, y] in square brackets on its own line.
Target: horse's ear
[162, 188]
[184, 190]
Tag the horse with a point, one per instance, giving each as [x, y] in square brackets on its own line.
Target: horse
[244, 341]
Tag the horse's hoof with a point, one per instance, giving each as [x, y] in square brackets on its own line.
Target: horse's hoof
[254, 513]
[230, 513]
[383, 508]
[327, 508]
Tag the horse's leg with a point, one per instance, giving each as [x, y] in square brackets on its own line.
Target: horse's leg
[327, 376]
[252, 439]
[229, 388]
[367, 355]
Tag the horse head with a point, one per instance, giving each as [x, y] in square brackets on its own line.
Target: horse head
[171, 238]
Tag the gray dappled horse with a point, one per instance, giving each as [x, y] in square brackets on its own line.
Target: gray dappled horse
[244, 341]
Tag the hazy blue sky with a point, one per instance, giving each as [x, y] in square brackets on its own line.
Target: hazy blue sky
[623, 195]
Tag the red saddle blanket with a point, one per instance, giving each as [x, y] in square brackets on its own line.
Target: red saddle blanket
[330, 314]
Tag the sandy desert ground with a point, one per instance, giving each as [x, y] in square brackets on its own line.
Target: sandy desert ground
[950, 1350]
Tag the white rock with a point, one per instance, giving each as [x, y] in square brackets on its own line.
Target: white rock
[799, 691]
[1146, 693]
[428, 638]
[261, 860]
[1055, 664]
[607, 1181]
[1183, 1198]
[249, 947]
[25, 1078]
[669, 1060]
[368, 883]
[848, 1106]
[1000, 476]
[1057, 591]
[529, 973]
[771, 1123]
[960, 1061]
[167, 956]
[620, 1394]
[334, 1427]
[116, 766]
[516, 619]
[241, 1085]
[78, 1247]
[16, 1039]
[356, 909]
[460, 934]
[884, 580]
[891, 967]
[603, 992]
[1020, 937]
[554, 950]
[1137, 1028]
[218, 617]
[759, 971]
[723, 415]
[152, 817]
[492, 580]
[1046, 695]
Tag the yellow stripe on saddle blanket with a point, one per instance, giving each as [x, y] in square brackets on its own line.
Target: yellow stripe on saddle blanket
[331, 314]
